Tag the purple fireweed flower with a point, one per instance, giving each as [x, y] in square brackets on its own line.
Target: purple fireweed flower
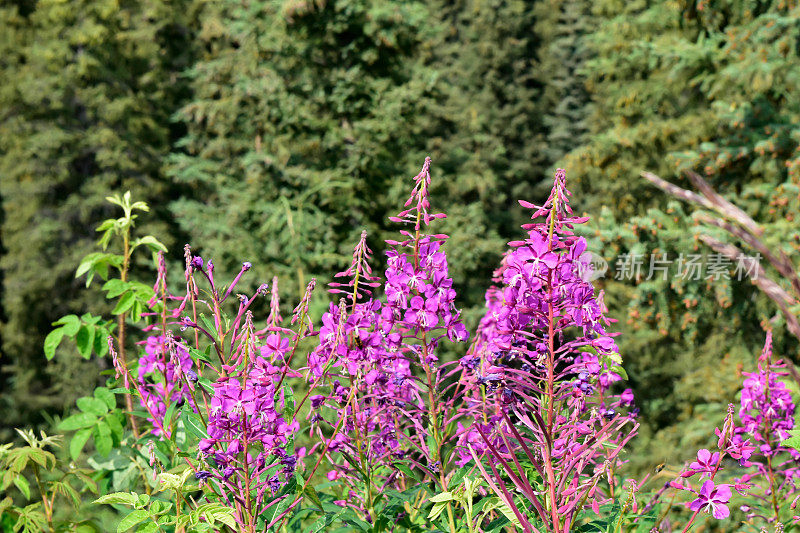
[712, 499]
[375, 348]
[766, 402]
[160, 369]
[705, 464]
[546, 358]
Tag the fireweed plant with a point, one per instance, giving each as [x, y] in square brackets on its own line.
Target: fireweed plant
[763, 463]
[238, 419]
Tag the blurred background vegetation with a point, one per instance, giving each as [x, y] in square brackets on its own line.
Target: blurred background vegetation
[274, 131]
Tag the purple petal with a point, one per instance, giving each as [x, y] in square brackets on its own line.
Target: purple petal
[720, 511]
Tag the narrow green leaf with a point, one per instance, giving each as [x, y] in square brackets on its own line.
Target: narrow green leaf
[23, 485]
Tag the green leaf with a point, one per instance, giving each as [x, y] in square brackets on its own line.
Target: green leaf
[90, 319]
[77, 421]
[793, 441]
[132, 519]
[193, 424]
[208, 323]
[115, 287]
[52, 341]
[170, 413]
[288, 408]
[102, 439]
[225, 515]
[77, 442]
[402, 467]
[437, 510]
[92, 406]
[23, 485]
[87, 263]
[311, 492]
[70, 324]
[122, 498]
[621, 371]
[102, 393]
[113, 422]
[442, 497]
[124, 303]
[153, 243]
[85, 341]
[101, 341]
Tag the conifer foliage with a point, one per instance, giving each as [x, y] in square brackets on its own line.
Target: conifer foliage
[85, 103]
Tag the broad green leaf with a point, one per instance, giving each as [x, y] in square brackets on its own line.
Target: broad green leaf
[90, 319]
[153, 243]
[52, 341]
[621, 371]
[70, 324]
[793, 441]
[442, 497]
[77, 442]
[115, 287]
[102, 393]
[85, 341]
[124, 303]
[311, 492]
[132, 519]
[115, 425]
[93, 406]
[77, 421]
[148, 527]
[87, 263]
[437, 510]
[225, 515]
[101, 341]
[102, 438]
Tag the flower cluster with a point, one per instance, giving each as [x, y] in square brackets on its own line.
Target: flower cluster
[770, 479]
[712, 497]
[247, 428]
[372, 354]
[544, 357]
[161, 368]
[767, 410]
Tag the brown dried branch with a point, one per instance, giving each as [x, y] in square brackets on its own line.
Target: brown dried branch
[677, 192]
[723, 206]
[757, 275]
[781, 263]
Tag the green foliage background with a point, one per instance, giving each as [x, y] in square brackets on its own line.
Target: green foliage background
[274, 131]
